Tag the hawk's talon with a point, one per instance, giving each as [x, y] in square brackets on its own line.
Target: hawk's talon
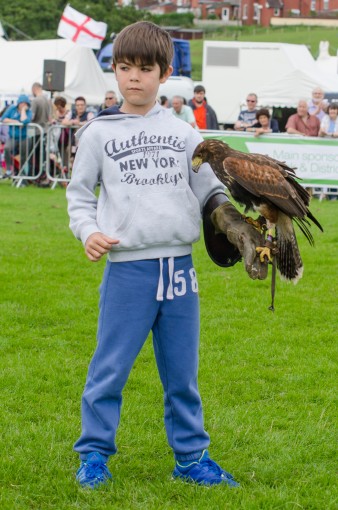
[255, 223]
[264, 251]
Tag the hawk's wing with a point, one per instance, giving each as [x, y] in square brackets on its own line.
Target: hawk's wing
[264, 178]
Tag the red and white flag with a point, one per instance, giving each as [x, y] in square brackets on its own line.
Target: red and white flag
[81, 28]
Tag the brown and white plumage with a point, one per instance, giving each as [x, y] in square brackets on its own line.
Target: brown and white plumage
[268, 186]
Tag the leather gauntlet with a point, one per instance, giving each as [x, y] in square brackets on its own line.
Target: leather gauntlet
[227, 220]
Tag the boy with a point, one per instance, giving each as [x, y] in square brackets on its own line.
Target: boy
[145, 219]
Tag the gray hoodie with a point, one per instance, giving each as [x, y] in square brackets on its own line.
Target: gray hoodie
[150, 199]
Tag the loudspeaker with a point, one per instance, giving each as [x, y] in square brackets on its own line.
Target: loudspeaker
[54, 75]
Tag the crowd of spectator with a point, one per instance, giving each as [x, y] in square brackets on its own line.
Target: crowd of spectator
[313, 117]
[22, 153]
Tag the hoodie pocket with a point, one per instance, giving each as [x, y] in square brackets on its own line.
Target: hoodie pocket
[170, 217]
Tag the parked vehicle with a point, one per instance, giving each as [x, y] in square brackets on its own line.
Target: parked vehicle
[181, 61]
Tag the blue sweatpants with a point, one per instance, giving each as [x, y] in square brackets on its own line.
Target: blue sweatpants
[158, 295]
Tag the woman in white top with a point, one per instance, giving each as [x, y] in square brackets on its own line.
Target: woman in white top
[329, 123]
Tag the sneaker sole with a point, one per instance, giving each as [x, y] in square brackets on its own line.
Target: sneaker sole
[203, 484]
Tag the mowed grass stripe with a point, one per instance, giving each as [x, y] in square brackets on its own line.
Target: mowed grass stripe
[268, 380]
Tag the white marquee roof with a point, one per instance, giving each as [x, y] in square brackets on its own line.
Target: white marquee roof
[22, 65]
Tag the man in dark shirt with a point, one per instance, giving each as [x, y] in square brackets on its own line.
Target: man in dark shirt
[205, 116]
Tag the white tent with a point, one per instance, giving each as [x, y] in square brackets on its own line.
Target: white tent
[22, 65]
[325, 62]
[293, 86]
[231, 70]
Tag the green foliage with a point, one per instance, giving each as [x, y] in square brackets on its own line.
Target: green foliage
[175, 19]
[123, 16]
[268, 381]
[213, 16]
[40, 20]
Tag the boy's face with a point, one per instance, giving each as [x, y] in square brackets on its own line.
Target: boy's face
[139, 85]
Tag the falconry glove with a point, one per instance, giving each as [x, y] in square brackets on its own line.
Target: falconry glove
[228, 237]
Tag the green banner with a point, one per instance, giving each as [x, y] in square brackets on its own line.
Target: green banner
[315, 159]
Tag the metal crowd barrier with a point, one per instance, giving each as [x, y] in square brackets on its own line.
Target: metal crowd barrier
[23, 152]
[33, 155]
[60, 153]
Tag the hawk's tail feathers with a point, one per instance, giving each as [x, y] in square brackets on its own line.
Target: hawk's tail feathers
[315, 221]
[288, 258]
[303, 226]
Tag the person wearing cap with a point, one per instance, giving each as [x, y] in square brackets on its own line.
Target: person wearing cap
[205, 116]
[17, 116]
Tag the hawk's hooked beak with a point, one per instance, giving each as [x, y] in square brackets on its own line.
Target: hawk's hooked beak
[196, 163]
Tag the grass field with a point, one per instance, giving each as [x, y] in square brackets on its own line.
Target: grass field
[268, 380]
[310, 36]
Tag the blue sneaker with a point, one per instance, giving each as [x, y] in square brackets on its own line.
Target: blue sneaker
[203, 472]
[93, 471]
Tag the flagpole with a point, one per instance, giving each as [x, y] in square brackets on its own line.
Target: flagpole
[16, 30]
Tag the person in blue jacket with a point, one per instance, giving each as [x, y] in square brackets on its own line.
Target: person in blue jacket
[18, 117]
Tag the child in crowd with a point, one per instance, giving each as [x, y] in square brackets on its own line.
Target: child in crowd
[146, 218]
[264, 123]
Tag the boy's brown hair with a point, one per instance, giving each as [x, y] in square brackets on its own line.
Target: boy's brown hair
[144, 43]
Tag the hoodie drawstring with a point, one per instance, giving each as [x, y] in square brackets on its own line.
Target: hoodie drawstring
[170, 290]
[160, 286]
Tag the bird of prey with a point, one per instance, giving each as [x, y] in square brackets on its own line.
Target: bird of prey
[268, 186]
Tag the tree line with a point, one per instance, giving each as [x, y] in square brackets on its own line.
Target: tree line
[39, 19]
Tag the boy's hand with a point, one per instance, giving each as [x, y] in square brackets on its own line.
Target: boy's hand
[98, 245]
